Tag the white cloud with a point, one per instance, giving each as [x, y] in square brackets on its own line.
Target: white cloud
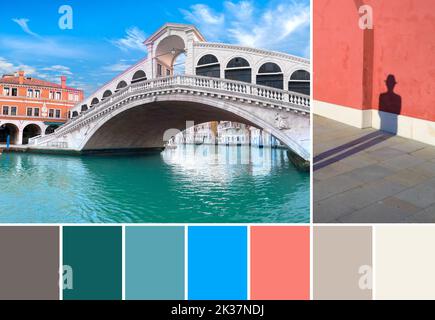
[7, 67]
[59, 69]
[133, 40]
[203, 17]
[46, 48]
[283, 27]
[46, 73]
[23, 23]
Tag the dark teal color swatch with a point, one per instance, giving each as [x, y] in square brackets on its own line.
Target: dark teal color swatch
[94, 255]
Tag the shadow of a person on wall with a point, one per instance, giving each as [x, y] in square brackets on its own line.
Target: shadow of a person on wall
[390, 106]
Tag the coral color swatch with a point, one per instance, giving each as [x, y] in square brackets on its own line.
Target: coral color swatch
[280, 263]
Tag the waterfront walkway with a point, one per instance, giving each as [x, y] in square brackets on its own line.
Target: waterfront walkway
[368, 176]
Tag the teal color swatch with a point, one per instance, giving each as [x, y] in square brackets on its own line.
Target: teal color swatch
[154, 263]
[93, 257]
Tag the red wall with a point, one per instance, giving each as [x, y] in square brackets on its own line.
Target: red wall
[351, 65]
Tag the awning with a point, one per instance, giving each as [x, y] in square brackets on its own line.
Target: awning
[48, 123]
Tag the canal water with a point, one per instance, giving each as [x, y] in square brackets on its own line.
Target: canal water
[189, 184]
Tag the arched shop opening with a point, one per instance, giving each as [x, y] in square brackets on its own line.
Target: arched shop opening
[30, 131]
[9, 130]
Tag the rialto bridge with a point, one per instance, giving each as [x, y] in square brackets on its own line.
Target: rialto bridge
[149, 103]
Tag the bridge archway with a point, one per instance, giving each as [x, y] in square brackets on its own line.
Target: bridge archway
[121, 84]
[300, 82]
[94, 102]
[51, 128]
[142, 125]
[11, 130]
[30, 131]
[106, 94]
[270, 74]
[138, 76]
[238, 69]
[208, 66]
[167, 52]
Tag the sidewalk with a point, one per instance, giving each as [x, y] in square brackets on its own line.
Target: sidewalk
[368, 176]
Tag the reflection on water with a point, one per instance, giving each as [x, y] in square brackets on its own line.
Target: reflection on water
[195, 184]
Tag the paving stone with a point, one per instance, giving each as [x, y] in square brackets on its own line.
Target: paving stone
[390, 210]
[327, 188]
[370, 173]
[425, 216]
[358, 161]
[408, 177]
[422, 195]
[427, 153]
[409, 146]
[426, 168]
[403, 162]
[332, 170]
[385, 153]
[384, 188]
[329, 210]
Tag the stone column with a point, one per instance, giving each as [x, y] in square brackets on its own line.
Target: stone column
[190, 55]
[20, 136]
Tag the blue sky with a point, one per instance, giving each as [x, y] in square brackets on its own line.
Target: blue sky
[107, 36]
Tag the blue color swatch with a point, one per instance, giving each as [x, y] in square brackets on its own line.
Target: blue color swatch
[217, 263]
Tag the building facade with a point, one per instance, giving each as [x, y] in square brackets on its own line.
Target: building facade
[378, 75]
[32, 107]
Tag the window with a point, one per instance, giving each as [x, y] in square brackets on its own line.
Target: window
[137, 77]
[58, 96]
[51, 113]
[30, 93]
[159, 70]
[270, 75]
[36, 112]
[14, 92]
[168, 72]
[29, 112]
[300, 82]
[57, 113]
[238, 69]
[37, 94]
[6, 91]
[13, 111]
[51, 95]
[208, 66]
[70, 97]
[5, 110]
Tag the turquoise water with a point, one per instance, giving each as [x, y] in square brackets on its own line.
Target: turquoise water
[190, 184]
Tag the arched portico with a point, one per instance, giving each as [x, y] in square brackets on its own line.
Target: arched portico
[30, 131]
[9, 130]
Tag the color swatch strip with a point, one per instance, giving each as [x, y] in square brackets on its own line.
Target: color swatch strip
[217, 262]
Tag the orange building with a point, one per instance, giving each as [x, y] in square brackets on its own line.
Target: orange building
[31, 107]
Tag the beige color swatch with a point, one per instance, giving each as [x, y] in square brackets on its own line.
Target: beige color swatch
[342, 263]
[405, 262]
